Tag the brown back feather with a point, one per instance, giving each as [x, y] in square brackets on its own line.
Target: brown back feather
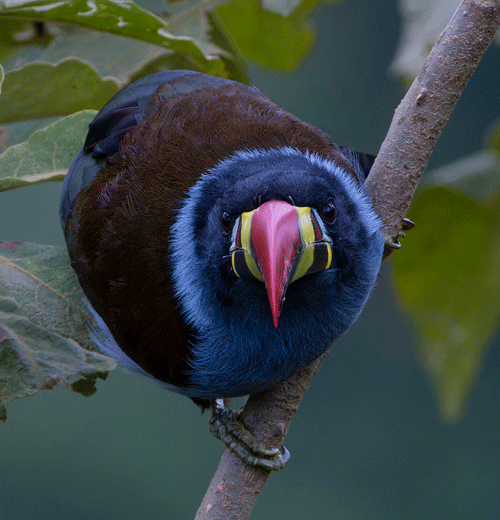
[125, 214]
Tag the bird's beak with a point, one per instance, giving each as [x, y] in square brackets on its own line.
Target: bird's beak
[278, 243]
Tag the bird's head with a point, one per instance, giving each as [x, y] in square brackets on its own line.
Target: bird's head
[278, 243]
[265, 226]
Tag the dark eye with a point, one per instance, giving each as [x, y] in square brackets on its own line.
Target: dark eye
[226, 222]
[329, 213]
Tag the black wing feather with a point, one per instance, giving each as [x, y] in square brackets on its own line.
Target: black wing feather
[123, 112]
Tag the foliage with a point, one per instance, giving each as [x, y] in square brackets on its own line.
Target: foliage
[43, 334]
[448, 280]
[46, 155]
[445, 277]
[82, 86]
[43, 337]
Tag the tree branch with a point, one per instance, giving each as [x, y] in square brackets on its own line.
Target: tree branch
[415, 128]
[420, 117]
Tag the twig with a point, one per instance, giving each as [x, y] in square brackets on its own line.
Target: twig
[417, 123]
[235, 486]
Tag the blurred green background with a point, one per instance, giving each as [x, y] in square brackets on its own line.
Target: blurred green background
[367, 443]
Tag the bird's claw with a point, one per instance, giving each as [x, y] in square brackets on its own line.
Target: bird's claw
[224, 425]
[407, 224]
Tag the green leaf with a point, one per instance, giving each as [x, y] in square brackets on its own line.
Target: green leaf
[233, 59]
[269, 39]
[124, 18]
[447, 278]
[194, 19]
[59, 90]
[43, 337]
[47, 154]
[122, 57]
[191, 20]
[15, 34]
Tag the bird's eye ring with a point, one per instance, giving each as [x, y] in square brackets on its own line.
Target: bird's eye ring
[226, 222]
[329, 212]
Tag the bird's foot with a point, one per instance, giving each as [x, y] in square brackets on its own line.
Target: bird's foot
[225, 425]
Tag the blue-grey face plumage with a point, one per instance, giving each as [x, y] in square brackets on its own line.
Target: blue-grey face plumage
[223, 243]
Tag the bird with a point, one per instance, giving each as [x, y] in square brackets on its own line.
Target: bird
[222, 243]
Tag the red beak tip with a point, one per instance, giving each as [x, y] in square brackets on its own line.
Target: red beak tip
[274, 234]
[276, 315]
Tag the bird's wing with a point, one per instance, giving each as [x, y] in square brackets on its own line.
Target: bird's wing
[128, 107]
[123, 112]
[361, 162]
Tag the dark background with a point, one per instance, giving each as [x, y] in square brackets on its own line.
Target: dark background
[367, 443]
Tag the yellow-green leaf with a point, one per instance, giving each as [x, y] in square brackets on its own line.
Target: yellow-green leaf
[125, 18]
[47, 154]
[447, 278]
[269, 39]
[59, 90]
[43, 324]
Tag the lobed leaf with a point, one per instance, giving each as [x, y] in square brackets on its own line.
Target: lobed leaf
[448, 282]
[47, 154]
[43, 337]
[61, 89]
[269, 39]
[124, 18]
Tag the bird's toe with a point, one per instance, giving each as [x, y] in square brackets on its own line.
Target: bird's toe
[225, 426]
